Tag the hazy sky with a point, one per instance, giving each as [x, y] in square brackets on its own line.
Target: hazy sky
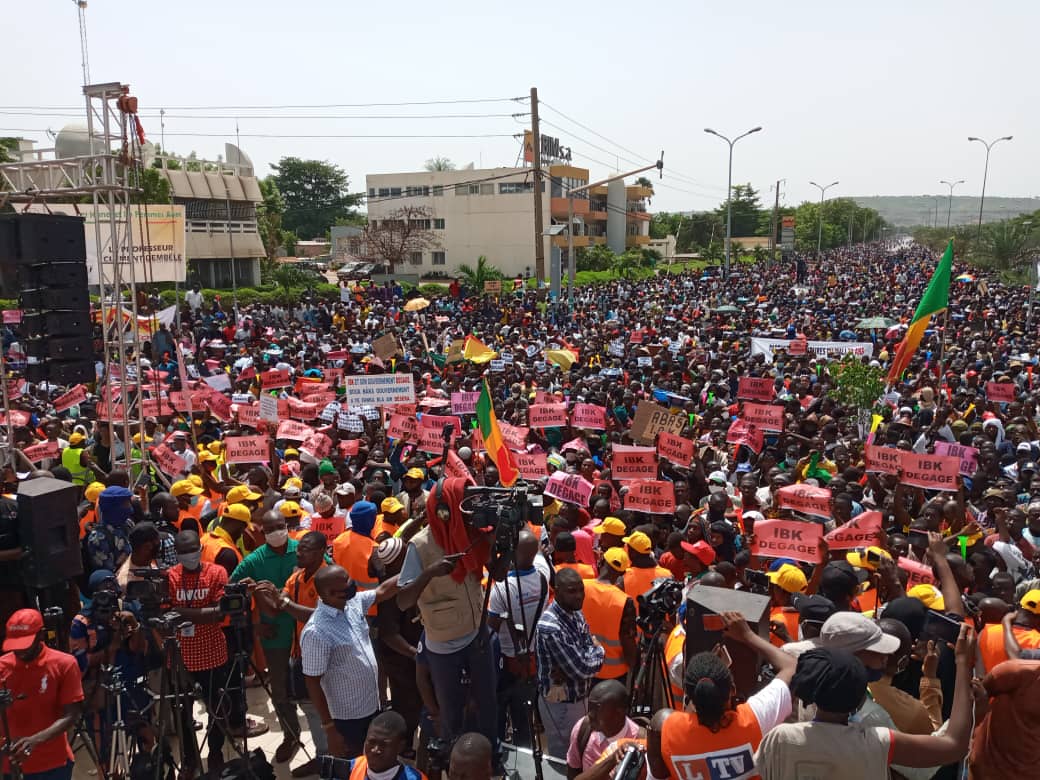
[880, 96]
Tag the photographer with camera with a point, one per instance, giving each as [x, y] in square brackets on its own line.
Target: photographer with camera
[442, 574]
[41, 691]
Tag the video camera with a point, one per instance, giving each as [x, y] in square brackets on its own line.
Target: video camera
[757, 581]
[506, 510]
[150, 589]
[104, 605]
[234, 604]
[659, 603]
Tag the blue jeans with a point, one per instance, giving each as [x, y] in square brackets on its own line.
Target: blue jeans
[63, 772]
[471, 707]
[558, 719]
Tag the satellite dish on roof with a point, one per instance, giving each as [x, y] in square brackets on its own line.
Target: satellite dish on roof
[236, 156]
[73, 140]
[147, 154]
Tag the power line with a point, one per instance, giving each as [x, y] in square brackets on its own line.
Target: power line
[168, 115]
[226, 107]
[658, 184]
[332, 136]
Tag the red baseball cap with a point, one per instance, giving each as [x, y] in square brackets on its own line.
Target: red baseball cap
[22, 629]
[701, 550]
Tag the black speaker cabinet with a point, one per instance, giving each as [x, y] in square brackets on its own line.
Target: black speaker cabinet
[57, 323]
[704, 601]
[43, 298]
[32, 238]
[48, 525]
[54, 274]
[62, 372]
[61, 348]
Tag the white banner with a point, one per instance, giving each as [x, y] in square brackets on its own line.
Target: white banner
[823, 348]
[379, 389]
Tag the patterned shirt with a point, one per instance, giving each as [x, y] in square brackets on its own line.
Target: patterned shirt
[108, 547]
[565, 649]
[337, 648]
[202, 646]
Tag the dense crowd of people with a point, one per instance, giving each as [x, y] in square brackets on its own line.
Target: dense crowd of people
[721, 564]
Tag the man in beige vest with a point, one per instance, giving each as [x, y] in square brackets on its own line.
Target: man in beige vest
[451, 601]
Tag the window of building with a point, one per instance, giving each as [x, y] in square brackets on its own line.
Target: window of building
[438, 224]
[438, 190]
[487, 189]
[419, 224]
[439, 258]
[514, 187]
[371, 192]
[384, 192]
[418, 191]
[467, 189]
[395, 192]
[415, 258]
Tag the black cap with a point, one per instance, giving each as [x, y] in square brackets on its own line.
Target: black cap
[814, 608]
[841, 576]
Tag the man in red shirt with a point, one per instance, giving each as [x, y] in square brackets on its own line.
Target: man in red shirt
[46, 691]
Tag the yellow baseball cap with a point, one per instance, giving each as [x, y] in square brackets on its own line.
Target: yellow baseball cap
[293, 482]
[93, 491]
[639, 542]
[77, 438]
[861, 560]
[185, 487]
[390, 505]
[290, 509]
[195, 479]
[291, 451]
[611, 525]
[238, 512]
[137, 438]
[1031, 602]
[930, 596]
[617, 559]
[789, 578]
[205, 456]
[415, 473]
[240, 493]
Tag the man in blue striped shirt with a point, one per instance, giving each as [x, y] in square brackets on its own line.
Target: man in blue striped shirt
[568, 658]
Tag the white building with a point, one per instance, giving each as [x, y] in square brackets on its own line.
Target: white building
[491, 212]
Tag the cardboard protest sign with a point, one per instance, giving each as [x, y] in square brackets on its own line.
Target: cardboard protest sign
[808, 500]
[296, 431]
[249, 414]
[330, 526]
[302, 410]
[968, 456]
[1003, 392]
[883, 460]
[746, 434]
[918, 573]
[569, 488]
[268, 408]
[275, 378]
[794, 539]
[349, 447]
[430, 439]
[547, 415]
[454, 353]
[246, 449]
[385, 347]
[379, 389]
[766, 417]
[455, 467]
[168, 461]
[675, 448]
[76, 395]
[464, 403]
[755, 388]
[633, 462]
[589, 416]
[651, 495]
[37, 452]
[402, 427]
[515, 436]
[651, 419]
[860, 531]
[318, 445]
[531, 465]
[439, 421]
[935, 472]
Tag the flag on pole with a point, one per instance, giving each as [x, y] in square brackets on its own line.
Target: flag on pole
[476, 351]
[935, 299]
[493, 441]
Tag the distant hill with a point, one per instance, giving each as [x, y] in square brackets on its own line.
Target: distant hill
[910, 210]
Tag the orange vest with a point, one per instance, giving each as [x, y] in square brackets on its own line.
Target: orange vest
[991, 643]
[586, 571]
[352, 551]
[675, 644]
[639, 581]
[603, 607]
[212, 544]
[360, 770]
[88, 519]
[789, 617]
[692, 750]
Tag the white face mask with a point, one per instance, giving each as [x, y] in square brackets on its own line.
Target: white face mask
[277, 538]
[190, 561]
[389, 774]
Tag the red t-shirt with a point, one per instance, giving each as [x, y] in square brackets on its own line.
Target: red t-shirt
[203, 646]
[41, 689]
[674, 565]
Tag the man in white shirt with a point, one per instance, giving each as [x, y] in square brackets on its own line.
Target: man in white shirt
[194, 298]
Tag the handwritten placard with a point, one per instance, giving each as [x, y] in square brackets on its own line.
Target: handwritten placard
[652, 495]
[651, 419]
[268, 408]
[787, 539]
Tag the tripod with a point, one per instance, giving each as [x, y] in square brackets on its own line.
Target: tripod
[6, 699]
[171, 699]
[652, 678]
[121, 747]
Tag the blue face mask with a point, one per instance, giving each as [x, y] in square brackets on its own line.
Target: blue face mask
[873, 675]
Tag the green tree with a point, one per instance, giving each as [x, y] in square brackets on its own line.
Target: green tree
[7, 145]
[288, 276]
[269, 213]
[474, 278]
[627, 264]
[1008, 246]
[316, 194]
[598, 257]
[439, 164]
[747, 211]
[155, 188]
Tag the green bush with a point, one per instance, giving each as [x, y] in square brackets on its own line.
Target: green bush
[431, 289]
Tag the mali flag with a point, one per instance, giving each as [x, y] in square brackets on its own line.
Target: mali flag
[493, 442]
[935, 299]
[476, 351]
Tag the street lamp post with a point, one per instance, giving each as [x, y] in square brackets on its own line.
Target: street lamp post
[819, 232]
[729, 187]
[949, 207]
[985, 171]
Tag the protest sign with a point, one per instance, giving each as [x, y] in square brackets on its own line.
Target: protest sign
[249, 414]
[268, 408]
[514, 436]
[385, 347]
[742, 432]
[317, 445]
[497, 365]
[755, 388]
[454, 353]
[464, 403]
[1003, 392]
[883, 460]
[76, 395]
[767, 417]
[12, 316]
[219, 405]
[935, 472]
[808, 500]
[168, 461]
[860, 531]
[798, 346]
[330, 526]
[569, 488]
[675, 448]
[644, 361]
[651, 495]
[439, 421]
[589, 416]
[531, 465]
[307, 389]
[302, 410]
[219, 382]
[295, 431]
[321, 399]
[402, 427]
[651, 419]
[633, 462]
[544, 397]
[918, 573]
[37, 452]
[246, 449]
[349, 447]
[379, 389]
[431, 439]
[547, 415]
[274, 378]
[968, 456]
[787, 539]
[493, 286]
[332, 374]
[454, 467]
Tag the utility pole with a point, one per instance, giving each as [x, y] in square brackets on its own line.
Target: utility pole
[539, 239]
[985, 173]
[949, 207]
[772, 230]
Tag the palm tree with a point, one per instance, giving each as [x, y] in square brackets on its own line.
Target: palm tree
[288, 276]
[1007, 246]
[474, 278]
